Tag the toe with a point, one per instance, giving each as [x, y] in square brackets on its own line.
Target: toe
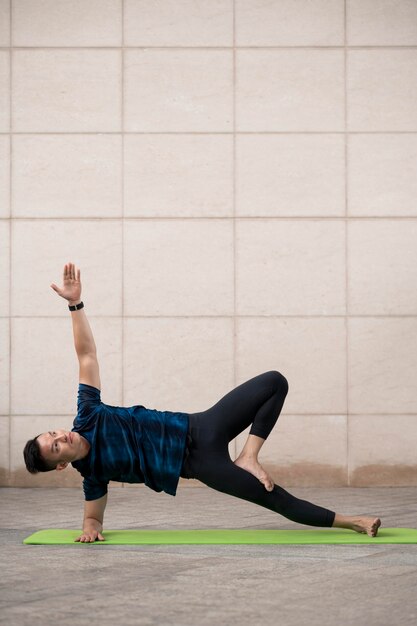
[266, 483]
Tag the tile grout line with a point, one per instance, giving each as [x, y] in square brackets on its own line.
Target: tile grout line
[213, 48]
[122, 182]
[284, 412]
[122, 195]
[231, 315]
[234, 204]
[10, 247]
[209, 132]
[346, 139]
[299, 218]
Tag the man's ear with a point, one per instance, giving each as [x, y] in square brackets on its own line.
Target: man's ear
[61, 466]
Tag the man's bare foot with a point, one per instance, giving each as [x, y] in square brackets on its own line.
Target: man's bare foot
[368, 525]
[252, 465]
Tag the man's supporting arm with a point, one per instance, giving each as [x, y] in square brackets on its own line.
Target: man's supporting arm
[93, 519]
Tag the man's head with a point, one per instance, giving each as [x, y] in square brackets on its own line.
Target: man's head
[53, 450]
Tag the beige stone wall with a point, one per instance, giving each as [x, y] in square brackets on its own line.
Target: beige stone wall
[237, 182]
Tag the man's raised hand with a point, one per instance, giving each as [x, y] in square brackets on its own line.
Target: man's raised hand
[71, 287]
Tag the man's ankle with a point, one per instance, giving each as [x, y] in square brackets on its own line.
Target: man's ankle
[248, 455]
[342, 521]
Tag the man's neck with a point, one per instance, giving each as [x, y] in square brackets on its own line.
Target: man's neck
[86, 448]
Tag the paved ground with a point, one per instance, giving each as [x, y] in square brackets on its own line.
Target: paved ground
[203, 585]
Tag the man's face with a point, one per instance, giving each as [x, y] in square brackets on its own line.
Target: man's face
[61, 447]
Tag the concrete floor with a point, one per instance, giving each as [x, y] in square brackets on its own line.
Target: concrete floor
[203, 585]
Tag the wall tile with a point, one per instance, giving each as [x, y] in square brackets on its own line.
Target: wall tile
[305, 450]
[309, 352]
[289, 267]
[178, 267]
[4, 267]
[4, 176]
[180, 364]
[174, 23]
[382, 365]
[382, 266]
[44, 364]
[381, 23]
[273, 86]
[178, 90]
[391, 459]
[4, 91]
[288, 23]
[4, 366]
[66, 90]
[290, 175]
[67, 23]
[4, 22]
[40, 249]
[67, 176]
[382, 90]
[382, 175]
[4, 448]
[178, 175]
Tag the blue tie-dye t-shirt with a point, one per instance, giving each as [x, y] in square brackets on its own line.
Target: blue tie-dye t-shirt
[128, 444]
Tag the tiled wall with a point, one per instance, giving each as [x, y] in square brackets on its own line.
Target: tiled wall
[237, 182]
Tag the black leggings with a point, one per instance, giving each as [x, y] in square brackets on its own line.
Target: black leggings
[258, 401]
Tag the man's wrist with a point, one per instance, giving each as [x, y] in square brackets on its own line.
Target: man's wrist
[74, 302]
[92, 523]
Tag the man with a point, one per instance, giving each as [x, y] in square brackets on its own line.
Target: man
[139, 445]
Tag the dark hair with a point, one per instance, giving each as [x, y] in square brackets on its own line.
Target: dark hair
[34, 460]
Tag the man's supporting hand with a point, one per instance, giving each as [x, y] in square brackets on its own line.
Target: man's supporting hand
[92, 530]
[90, 536]
[93, 519]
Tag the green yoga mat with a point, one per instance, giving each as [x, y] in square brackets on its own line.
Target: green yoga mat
[225, 536]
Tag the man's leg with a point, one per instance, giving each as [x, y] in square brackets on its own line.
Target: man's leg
[221, 474]
[248, 460]
[257, 402]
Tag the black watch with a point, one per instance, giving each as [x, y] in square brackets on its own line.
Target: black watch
[76, 307]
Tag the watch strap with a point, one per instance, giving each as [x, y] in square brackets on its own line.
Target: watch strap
[76, 307]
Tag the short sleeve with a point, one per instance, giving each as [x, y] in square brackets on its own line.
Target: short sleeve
[93, 488]
[88, 399]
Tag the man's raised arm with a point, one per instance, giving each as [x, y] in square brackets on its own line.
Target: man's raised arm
[93, 520]
[71, 291]
[83, 337]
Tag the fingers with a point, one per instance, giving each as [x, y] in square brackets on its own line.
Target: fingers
[85, 537]
[70, 272]
[56, 289]
[89, 537]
